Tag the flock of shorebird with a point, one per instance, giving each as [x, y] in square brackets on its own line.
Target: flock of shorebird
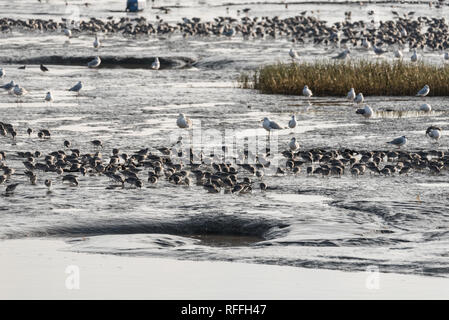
[211, 172]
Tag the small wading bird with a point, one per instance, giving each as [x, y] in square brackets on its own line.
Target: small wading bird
[183, 122]
[43, 68]
[398, 142]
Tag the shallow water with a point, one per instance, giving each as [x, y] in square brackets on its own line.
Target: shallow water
[399, 223]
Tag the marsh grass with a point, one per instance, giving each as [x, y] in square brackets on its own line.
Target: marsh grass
[379, 78]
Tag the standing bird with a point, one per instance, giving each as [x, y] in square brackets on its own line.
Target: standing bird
[270, 125]
[29, 131]
[398, 54]
[95, 63]
[2, 73]
[184, 122]
[398, 142]
[156, 64]
[68, 33]
[307, 92]
[367, 112]
[293, 54]
[434, 132]
[43, 68]
[351, 95]
[67, 144]
[292, 122]
[414, 56]
[359, 98]
[8, 86]
[293, 144]
[97, 43]
[19, 91]
[342, 55]
[77, 87]
[446, 57]
[424, 91]
[48, 97]
[48, 183]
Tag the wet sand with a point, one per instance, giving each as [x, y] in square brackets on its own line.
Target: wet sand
[30, 273]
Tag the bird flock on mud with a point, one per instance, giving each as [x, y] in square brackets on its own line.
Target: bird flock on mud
[156, 165]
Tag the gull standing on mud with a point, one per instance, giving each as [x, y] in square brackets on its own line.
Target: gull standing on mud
[434, 132]
[292, 122]
[184, 122]
[270, 125]
[97, 43]
[398, 142]
[367, 112]
[77, 87]
[424, 91]
[49, 97]
[18, 91]
[95, 63]
[307, 92]
[156, 64]
[359, 98]
[414, 56]
[351, 95]
[293, 54]
[293, 144]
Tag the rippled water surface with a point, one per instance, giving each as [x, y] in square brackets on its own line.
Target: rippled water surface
[398, 223]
